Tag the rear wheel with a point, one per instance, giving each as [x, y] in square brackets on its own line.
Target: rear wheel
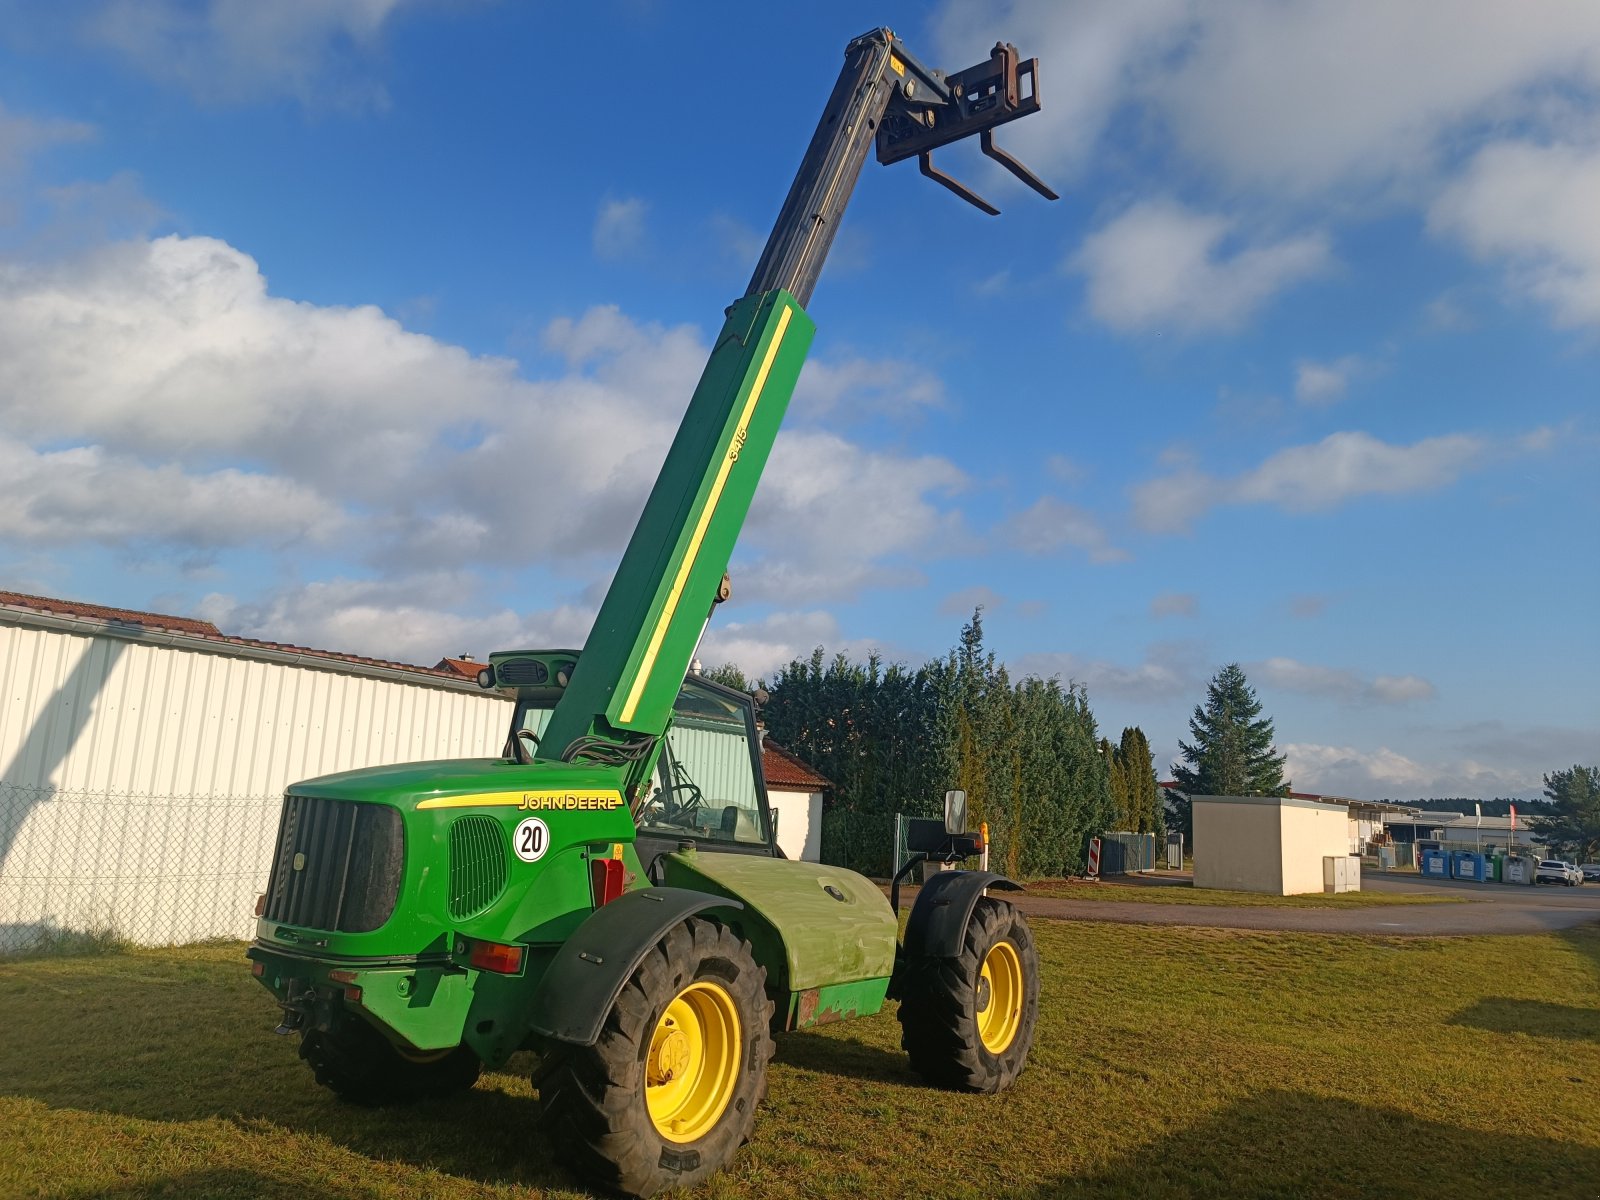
[668, 1093]
[360, 1065]
[967, 1022]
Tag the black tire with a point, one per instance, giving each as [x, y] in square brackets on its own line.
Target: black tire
[943, 999]
[594, 1097]
[361, 1066]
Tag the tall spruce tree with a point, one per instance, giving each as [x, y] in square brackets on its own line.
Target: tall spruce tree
[1232, 752]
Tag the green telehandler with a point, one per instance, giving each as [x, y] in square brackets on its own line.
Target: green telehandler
[609, 893]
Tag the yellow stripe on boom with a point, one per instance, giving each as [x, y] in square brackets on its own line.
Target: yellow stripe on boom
[642, 676]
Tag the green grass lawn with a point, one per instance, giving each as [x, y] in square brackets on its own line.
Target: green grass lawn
[1183, 893]
[1170, 1062]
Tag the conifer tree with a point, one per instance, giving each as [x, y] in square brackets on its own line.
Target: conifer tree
[1139, 778]
[1122, 810]
[1574, 817]
[1232, 752]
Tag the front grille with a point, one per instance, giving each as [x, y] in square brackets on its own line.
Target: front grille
[523, 672]
[338, 865]
[477, 865]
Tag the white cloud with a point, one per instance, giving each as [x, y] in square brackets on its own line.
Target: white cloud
[86, 495]
[1169, 671]
[1174, 604]
[619, 227]
[762, 648]
[1319, 384]
[170, 359]
[232, 51]
[1290, 97]
[962, 603]
[1331, 103]
[1307, 605]
[414, 618]
[1386, 773]
[1090, 54]
[1310, 95]
[1339, 468]
[888, 386]
[1066, 470]
[1049, 525]
[1533, 207]
[174, 347]
[1290, 675]
[831, 517]
[1160, 265]
[22, 136]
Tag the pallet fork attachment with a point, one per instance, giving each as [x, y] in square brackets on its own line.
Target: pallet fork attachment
[931, 109]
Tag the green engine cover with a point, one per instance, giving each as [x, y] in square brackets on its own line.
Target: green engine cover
[818, 925]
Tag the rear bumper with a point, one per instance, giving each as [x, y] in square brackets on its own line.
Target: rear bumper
[422, 1001]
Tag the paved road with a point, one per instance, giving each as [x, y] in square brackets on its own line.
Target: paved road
[1492, 908]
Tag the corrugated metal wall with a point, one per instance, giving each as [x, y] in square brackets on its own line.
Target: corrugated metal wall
[140, 783]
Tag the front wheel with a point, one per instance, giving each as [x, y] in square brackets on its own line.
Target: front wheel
[669, 1091]
[361, 1066]
[967, 1022]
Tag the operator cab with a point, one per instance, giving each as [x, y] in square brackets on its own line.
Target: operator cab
[707, 786]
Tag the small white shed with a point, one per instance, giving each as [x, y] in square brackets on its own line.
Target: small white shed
[794, 792]
[1272, 844]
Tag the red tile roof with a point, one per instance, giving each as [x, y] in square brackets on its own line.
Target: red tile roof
[463, 667]
[204, 630]
[99, 612]
[784, 770]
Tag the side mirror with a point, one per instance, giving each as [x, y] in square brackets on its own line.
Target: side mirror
[955, 811]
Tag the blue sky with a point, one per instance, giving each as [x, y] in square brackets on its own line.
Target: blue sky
[364, 324]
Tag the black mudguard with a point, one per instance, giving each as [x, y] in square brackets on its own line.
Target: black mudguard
[587, 974]
[938, 921]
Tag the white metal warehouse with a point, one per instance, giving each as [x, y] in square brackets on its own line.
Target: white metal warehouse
[143, 760]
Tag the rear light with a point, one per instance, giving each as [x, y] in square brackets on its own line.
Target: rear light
[261, 904]
[494, 956]
[353, 995]
[258, 969]
[607, 877]
[342, 976]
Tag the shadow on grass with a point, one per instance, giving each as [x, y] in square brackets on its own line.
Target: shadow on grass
[1537, 1018]
[221, 1183]
[844, 1057]
[1292, 1144]
[201, 1049]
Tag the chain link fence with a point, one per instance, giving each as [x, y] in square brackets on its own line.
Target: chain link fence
[121, 867]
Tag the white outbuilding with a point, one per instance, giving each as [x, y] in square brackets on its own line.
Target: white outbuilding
[1280, 845]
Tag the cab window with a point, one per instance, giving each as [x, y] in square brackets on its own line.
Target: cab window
[705, 786]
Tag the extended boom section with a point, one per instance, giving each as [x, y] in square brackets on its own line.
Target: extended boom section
[656, 609]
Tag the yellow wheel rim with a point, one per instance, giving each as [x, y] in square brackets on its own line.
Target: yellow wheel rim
[999, 1001]
[693, 1062]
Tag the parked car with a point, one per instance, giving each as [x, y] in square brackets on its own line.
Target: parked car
[1591, 872]
[1553, 870]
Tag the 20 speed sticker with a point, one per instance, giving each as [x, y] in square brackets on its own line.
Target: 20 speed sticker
[531, 840]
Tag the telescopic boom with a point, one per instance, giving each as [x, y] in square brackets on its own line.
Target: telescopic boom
[620, 697]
